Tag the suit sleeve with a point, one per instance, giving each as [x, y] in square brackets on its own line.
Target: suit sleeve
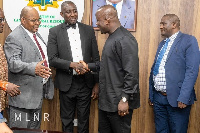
[53, 53]
[13, 51]
[130, 65]
[95, 53]
[192, 69]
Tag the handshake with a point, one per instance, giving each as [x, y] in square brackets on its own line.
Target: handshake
[81, 67]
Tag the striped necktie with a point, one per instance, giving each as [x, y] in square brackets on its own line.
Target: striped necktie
[41, 51]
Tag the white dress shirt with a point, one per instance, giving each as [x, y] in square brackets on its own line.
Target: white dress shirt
[43, 46]
[75, 43]
[159, 79]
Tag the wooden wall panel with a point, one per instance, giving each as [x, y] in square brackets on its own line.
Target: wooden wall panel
[148, 36]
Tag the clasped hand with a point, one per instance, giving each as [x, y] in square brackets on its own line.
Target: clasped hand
[81, 67]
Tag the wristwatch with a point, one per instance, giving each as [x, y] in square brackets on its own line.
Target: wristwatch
[124, 99]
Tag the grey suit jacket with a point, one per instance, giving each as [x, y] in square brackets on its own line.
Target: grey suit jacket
[22, 56]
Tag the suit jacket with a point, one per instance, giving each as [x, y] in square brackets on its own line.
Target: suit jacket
[23, 55]
[127, 14]
[181, 70]
[60, 54]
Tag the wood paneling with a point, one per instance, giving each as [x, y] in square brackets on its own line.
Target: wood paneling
[148, 36]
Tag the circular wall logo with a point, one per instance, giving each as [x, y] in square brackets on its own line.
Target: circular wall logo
[49, 11]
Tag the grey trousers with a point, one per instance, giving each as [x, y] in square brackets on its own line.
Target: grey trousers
[24, 118]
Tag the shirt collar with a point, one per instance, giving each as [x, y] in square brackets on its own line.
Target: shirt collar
[173, 36]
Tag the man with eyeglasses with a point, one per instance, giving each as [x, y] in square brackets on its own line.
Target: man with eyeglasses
[26, 53]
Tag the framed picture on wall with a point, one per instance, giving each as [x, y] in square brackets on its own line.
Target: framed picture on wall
[126, 9]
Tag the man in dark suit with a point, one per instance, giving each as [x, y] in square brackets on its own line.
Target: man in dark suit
[173, 76]
[118, 76]
[68, 43]
[26, 52]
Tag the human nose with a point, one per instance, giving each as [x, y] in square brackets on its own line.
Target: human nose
[37, 21]
[72, 13]
[161, 26]
[3, 23]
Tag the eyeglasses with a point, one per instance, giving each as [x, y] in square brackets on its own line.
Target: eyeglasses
[34, 20]
[2, 20]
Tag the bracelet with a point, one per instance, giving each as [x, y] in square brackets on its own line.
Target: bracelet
[4, 85]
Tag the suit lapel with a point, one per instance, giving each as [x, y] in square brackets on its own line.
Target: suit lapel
[174, 45]
[40, 38]
[100, 3]
[127, 9]
[82, 37]
[32, 44]
[66, 39]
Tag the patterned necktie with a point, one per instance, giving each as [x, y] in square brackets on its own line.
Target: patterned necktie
[41, 51]
[115, 5]
[160, 56]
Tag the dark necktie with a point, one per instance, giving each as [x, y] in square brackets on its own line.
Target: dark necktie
[71, 25]
[160, 56]
[41, 51]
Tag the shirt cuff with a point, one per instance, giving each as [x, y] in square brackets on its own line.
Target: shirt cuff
[125, 95]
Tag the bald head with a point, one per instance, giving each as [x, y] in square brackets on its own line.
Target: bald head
[27, 10]
[107, 19]
[107, 11]
[65, 4]
[30, 19]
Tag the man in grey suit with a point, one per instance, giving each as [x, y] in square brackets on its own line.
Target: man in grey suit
[68, 43]
[125, 9]
[26, 54]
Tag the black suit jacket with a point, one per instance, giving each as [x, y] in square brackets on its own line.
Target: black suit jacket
[60, 54]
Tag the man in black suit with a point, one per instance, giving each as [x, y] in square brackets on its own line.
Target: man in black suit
[68, 43]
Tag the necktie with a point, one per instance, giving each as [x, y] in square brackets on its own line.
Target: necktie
[41, 51]
[115, 5]
[160, 56]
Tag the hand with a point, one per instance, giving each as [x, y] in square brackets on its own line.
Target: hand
[12, 89]
[150, 103]
[42, 71]
[123, 108]
[95, 91]
[78, 67]
[4, 128]
[181, 105]
[84, 64]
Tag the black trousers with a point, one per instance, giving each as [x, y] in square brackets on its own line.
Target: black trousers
[111, 122]
[78, 97]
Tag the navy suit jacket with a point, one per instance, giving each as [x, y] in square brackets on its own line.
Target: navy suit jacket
[181, 70]
[127, 14]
